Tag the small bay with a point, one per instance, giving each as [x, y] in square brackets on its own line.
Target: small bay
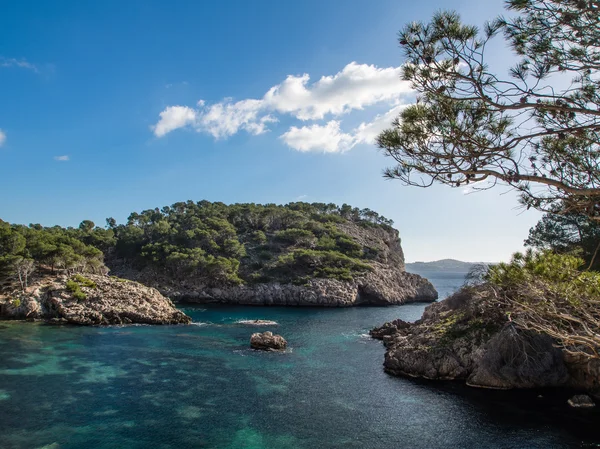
[201, 386]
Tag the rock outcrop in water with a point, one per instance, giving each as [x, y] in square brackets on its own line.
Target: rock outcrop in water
[91, 300]
[581, 401]
[267, 341]
[470, 338]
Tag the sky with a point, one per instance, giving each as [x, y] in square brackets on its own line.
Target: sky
[112, 107]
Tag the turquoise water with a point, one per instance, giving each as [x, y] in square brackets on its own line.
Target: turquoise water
[199, 386]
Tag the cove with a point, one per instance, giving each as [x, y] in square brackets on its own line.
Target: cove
[200, 385]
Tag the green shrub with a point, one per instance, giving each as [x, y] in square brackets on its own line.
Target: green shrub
[547, 293]
[371, 252]
[348, 246]
[75, 289]
[341, 274]
[16, 303]
[560, 270]
[79, 295]
[324, 264]
[296, 236]
[72, 286]
[259, 237]
[326, 243]
[84, 282]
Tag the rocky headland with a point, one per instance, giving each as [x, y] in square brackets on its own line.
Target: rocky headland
[299, 254]
[90, 300]
[289, 268]
[470, 337]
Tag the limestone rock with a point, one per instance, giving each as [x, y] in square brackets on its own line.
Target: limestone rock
[267, 341]
[383, 286]
[469, 338]
[108, 301]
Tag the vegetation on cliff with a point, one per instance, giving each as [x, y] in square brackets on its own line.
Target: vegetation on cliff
[247, 243]
[529, 323]
[549, 294]
[214, 243]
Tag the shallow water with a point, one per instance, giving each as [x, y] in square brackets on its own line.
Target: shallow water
[200, 386]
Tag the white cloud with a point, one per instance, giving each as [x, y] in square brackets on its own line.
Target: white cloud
[356, 86]
[331, 139]
[63, 158]
[2, 137]
[368, 132]
[21, 63]
[328, 138]
[174, 117]
[226, 118]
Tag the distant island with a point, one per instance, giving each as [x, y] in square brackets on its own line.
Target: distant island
[447, 265]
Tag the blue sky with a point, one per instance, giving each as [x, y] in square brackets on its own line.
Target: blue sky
[112, 107]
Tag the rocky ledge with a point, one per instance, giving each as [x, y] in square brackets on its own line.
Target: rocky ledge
[90, 300]
[383, 286]
[468, 337]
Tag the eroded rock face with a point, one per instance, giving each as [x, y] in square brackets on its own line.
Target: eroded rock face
[108, 301]
[469, 338]
[384, 286]
[387, 284]
[267, 341]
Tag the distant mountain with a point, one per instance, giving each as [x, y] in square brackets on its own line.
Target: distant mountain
[450, 265]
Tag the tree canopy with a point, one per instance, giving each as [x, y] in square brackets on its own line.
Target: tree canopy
[25, 249]
[536, 129]
[213, 243]
[244, 243]
[569, 233]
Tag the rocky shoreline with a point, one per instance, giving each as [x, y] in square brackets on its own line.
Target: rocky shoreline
[383, 286]
[468, 338]
[90, 300]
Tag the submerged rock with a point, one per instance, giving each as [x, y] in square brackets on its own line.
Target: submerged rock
[91, 300]
[257, 322]
[267, 341]
[581, 401]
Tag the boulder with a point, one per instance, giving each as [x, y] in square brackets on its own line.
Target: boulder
[581, 401]
[267, 341]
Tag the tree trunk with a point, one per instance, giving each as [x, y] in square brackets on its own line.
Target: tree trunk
[594, 257]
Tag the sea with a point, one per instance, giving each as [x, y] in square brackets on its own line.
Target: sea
[201, 386]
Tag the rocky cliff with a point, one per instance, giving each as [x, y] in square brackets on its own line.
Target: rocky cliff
[90, 300]
[380, 280]
[381, 287]
[470, 338]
